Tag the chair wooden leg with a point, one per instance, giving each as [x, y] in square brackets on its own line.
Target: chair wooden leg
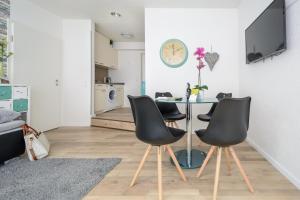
[159, 170]
[168, 125]
[238, 163]
[216, 185]
[209, 154]
[141, 165]
[171, 153]
[228, 161]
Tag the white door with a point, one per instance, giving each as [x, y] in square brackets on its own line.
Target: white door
[37, 63]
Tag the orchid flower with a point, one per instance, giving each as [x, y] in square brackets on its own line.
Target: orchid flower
[200, 53]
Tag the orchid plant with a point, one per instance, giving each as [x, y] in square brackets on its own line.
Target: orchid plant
[200, 53]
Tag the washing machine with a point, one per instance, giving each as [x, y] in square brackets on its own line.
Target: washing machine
[111, 98]
[105, 98]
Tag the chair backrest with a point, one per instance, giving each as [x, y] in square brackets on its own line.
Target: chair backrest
[132, 107]
[229, 122]
[166, 108]
[219, 96]
[150, 125]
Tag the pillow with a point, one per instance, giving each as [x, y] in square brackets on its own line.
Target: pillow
[8, 115]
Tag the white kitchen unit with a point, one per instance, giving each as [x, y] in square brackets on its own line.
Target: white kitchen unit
[108, 97]
[119, 95]
[101, 97]
[105, 55]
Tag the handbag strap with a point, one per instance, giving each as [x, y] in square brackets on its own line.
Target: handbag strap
[28, 129]
[31, 151]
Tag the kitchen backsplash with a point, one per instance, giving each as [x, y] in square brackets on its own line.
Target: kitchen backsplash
[100, 73]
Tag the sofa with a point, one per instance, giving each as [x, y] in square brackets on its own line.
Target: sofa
[12, 142]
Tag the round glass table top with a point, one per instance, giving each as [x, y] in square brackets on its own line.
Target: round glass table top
[183, 100]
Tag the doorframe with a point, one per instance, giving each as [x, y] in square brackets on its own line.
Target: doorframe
[143, 74]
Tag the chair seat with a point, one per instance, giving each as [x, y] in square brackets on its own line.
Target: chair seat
[178, 133]
[217, 141]
[173, 117]
[204, 117]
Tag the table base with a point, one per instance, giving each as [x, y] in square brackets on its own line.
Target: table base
[197, 158]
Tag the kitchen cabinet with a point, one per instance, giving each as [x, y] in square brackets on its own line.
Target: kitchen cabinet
[105, 55]
[108, 97]
[119, 95]
[100, 97]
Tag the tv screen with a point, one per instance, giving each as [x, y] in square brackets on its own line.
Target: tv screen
[266, 36]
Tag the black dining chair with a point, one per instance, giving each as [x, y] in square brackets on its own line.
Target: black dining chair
[228, 126]
[151, 129]
[206, 117]
[169, 111]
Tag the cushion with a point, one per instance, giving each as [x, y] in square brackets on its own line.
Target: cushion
[8, 115]
[173, 117]
[4, 127]
[204, 117]
[176, 132]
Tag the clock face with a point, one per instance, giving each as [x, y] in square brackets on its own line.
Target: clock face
[173, 53]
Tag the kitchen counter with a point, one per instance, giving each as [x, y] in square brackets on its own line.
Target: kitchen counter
[110, 83]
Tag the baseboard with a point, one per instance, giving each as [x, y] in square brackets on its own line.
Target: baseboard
[275, 163]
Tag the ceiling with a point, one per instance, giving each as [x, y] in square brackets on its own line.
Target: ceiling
[132, 11]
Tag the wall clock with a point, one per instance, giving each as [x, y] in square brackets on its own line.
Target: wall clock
[173, 53]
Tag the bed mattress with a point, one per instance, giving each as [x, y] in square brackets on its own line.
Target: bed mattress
[11, 126]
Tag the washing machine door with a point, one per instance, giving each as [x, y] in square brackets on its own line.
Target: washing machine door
[111, 95]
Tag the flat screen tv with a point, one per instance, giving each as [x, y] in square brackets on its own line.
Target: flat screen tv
[266, 36]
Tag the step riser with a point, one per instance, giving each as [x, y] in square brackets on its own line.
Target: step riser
[113, 124]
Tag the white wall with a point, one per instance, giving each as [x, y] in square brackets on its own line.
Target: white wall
[274, 86]
[37, 60]
[36, 18]
[196, 28]
[77, 72]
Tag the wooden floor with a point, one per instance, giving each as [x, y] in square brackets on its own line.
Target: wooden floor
[94, 142]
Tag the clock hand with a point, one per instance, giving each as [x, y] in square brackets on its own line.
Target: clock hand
[178, 49]
[173, 49]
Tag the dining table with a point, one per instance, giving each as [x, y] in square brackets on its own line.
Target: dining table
[189, 158]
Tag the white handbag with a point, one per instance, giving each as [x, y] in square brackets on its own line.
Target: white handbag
[37, 145]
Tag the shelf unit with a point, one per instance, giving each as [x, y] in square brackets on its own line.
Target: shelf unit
[16, 98]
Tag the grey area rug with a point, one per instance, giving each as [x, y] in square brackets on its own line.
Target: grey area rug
[59, 179]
